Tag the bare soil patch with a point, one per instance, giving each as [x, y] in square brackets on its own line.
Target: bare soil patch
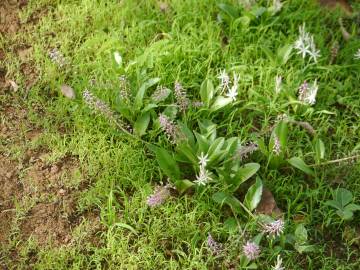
[31, 181]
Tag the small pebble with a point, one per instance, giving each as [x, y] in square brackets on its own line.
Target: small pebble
[9, 175]
[62, 192]
[67, 91]
[54, 169]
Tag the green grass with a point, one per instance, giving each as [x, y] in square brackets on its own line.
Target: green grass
[186, 44]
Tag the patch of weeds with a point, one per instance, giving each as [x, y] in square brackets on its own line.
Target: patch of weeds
[233, 100]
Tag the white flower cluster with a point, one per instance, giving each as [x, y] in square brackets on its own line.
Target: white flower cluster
[305, 44]
[232, 91]
[204, 175]
[307, 93]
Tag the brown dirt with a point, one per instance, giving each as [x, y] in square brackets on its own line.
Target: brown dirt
[9, 26]
[34, 183]
[31, 179]
[9, 19]
[45, 223]
[343, 4]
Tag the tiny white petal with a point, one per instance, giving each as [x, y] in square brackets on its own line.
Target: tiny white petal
[118, 58]
[357, 55]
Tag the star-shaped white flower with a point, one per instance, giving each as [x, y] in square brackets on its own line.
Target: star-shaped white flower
[203, 159]
[224, 79]
[232, 93]
[311, 97]
[203, 177]
[313, 53]
[301, 47]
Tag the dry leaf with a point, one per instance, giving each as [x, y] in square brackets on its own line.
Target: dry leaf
[67, 91]
[13, 85]
[267, 205]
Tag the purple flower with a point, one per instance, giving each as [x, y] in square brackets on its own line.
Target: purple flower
[160, 94]
[197, 104]
[97, 104]
[277, 147]
[214, 246]
[161, 193]
[100, 106]
[274, 228]
[308, 93]
[251, 250]
[303, 91]
[124, 88]
[181, 98]
[246, 150]
[57, 57]
[169, 128]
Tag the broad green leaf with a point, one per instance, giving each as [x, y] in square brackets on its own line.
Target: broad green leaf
[244, 21]
[252, 266]
[244, 173]
[142, 124]
[224, 198]
[281, 130]
[207, 129]
[231, 224]
[257, 238]
[140, 94]
[166, 162]
[319, 150]
[284, 53]
[202, 143]
[170, 111]
[215, 149]
[345, 214]
[149, 107]
[229, 10]
[232, 145]
[343, 196]
[304, 248]
[301, 235]
[253, 195]
[220, 102]
[186, 154]
[301, 165]
[352, 207]
[207, 92]
[187, 132]
[334, 204]
[183, 185]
